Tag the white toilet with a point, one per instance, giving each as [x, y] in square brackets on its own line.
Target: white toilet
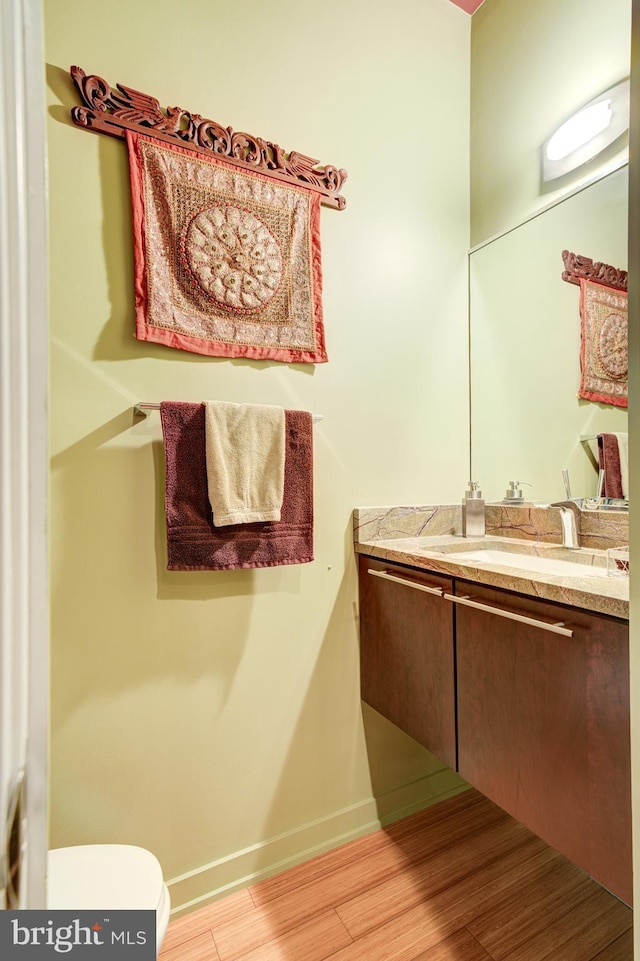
[108, 877]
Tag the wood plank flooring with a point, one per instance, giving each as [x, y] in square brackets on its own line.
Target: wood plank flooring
[459, 881]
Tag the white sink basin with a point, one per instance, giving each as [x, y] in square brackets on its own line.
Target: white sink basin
[530, 562]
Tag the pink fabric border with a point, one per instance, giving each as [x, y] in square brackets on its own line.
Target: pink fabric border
[159, 335]
[603, 398]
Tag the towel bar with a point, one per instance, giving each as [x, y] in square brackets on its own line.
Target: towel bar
[585, 440]
[142, 407]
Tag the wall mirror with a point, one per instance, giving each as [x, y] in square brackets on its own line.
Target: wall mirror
[526, 418]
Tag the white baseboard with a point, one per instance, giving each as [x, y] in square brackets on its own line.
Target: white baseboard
[214, 880]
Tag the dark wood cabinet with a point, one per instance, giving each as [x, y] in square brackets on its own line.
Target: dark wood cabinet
[543, 725]
[537, 721]
[407, 652]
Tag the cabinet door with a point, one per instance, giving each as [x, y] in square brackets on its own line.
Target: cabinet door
[543, 726]
[407, 653]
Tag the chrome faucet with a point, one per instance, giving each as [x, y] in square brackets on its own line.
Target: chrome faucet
[570, 523]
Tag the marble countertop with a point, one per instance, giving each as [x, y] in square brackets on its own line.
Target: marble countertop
[601, 594]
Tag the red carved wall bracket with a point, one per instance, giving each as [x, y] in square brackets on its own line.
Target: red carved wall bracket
[577, 268]
[114, 111]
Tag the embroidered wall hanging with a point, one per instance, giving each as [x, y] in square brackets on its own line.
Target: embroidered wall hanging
[227, 261]
[604, 344]
[226, 229]
[604, 353]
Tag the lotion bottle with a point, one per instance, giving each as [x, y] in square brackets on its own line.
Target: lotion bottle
[473, 523]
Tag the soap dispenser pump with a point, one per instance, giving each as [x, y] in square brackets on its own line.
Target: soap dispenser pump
[473, 524]
[513, 494]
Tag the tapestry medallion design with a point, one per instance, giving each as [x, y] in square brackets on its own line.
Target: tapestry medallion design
[612, 347]
[233, 257]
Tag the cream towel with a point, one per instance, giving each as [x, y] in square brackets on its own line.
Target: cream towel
[623, 451]
[245, 445]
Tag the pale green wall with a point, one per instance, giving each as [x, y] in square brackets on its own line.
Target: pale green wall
[213, 716]
[533, 65]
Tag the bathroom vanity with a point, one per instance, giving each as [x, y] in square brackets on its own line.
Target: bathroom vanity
[517, 680]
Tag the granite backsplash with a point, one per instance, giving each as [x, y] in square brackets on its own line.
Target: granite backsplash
[598, 529]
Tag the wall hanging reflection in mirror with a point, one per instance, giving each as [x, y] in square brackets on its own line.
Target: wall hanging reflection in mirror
[604, 328]
[226, 229]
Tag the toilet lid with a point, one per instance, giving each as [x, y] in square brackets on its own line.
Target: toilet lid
[111, 876]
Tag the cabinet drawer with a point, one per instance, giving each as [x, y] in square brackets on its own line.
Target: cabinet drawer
[543, 725]
[407, 652]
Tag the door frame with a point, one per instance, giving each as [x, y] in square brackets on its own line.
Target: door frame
[23, 443]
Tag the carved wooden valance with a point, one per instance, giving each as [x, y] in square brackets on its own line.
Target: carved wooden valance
[114, 111]
[577, 268]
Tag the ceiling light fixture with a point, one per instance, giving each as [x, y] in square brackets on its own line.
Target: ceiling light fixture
[587, 132]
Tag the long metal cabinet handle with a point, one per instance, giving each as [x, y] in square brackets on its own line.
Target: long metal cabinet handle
[400, 580]
[558, 628]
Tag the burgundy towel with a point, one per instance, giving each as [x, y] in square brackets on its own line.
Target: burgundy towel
[193, 543]
[609, 459]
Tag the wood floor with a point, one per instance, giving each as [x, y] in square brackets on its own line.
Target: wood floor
[460, 881]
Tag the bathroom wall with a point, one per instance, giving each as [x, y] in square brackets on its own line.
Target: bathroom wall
[533, 65]
[215, 717]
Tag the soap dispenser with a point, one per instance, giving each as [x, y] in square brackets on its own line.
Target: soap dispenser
[473, 512]
[513, 494]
